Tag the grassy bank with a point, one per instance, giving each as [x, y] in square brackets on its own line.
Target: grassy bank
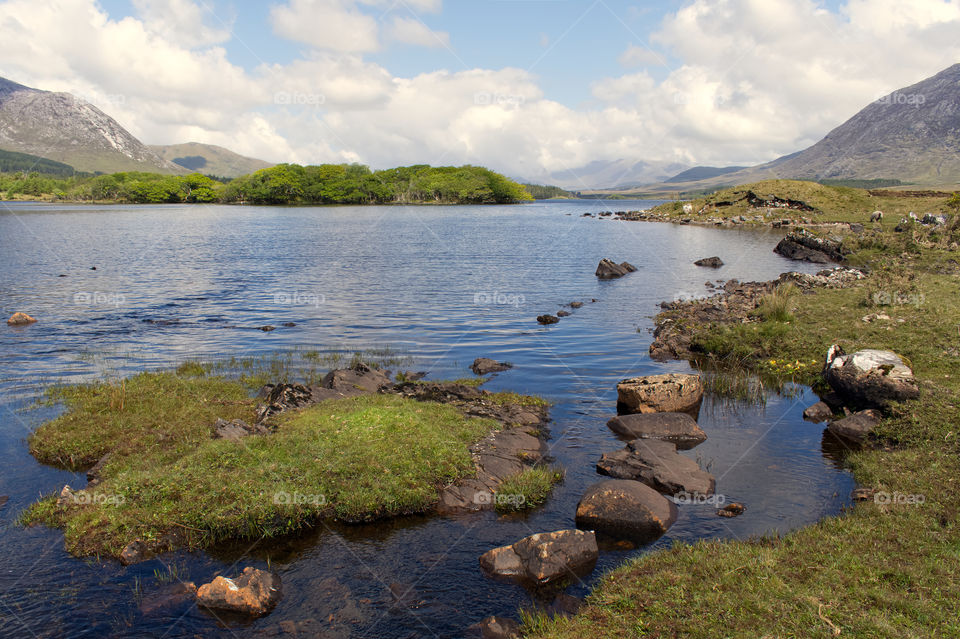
[169, 483]
[885, 568]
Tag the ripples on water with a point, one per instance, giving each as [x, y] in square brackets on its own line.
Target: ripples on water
[444, 285]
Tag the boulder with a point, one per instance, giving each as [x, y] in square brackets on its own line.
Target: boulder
[543, 557]
[626, 509]
[562, 313]
[237, 429]
[134, 552]
[20, 319]
[732, 510]
[805, 246]
[658, 465]
[869, 378]
[282, 397]
[495, 627]
[358, 380]
[576, 304]
[712, 262]
[485, 366]
[856, 427]
[608, 269]
[255, 592]
[819, 412]
[670, 393]
[548, 319]
[678, 428]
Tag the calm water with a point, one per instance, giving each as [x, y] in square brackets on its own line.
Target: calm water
[441, 284]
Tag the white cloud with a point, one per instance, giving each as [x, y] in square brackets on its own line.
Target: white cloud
[329, 25]
[413, 31]
[182, 22]
[641, 56]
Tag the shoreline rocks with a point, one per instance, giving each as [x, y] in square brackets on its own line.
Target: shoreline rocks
[608, 269]
[869, 378]
[857, 427]
[255, 592]
[545, 557]
[802, 245]
[678, 428]
[626, 509]
[669, 393]
[657, 464]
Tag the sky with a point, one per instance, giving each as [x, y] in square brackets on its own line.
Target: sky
[526, 87]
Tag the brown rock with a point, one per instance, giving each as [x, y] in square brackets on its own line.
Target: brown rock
[255, 592]
[20, 319]
[712, 262]
[626, 509]
[547, 319]
[134, 552]
[237, 429]
[732, 510]
[485, 366]
[494, 628]
[869, 378]
[856, 427]
[819, 412]
[678, 428]
[862, 494]
[658, 465]
[608, 269]
[543, 557]
[670, 393]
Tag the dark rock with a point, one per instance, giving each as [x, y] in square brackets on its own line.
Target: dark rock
[562, 313]
[359, 380]
[267, 329]
[869, 378]
[495, 627]
[93, 268]
[289, 324]
[3, 500]
[410, 376]
[626, 509]
[548, 319]
[565, 605]
[20, 319]
[94, 474]
[544, 557]
[670, 393]
[237, 429]
[283, 397]
[576, 304]
[658, 465]
[856, 228]
[608, 269]
[819, 412]
[805, 246]
[134, 552]
[712, 262]
[678, 428]
[485, 366]
[857, 427]
[255, 592]
[732, 510]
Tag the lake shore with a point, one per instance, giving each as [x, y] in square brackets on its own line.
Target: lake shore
[885, 567]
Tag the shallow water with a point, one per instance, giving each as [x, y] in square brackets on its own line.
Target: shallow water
[443, 285]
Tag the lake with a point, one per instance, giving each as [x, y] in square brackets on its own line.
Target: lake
[437, 285]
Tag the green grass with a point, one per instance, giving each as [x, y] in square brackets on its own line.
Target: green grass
[351, 459]
[777, 306]
[527, 489]
[879, 569]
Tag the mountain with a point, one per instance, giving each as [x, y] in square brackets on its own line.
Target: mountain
[209, 159]
[64, 128]
[616, 174]
[11, 162]
[703, 173]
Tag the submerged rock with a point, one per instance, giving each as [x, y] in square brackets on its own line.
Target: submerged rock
[134, 552]
[548, 319]
[869, 378]
[485, 366]
[732, 510]
[20, 319]
[658, 465]
[678, 428]
[626, 509]
[608, 269]
[819, 412]
[495, 627]
[563, 313]
[711, 262]
[255, 592]
[544, 557]
[670, 393]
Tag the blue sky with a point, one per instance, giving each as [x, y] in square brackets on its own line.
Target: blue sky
[533, 88]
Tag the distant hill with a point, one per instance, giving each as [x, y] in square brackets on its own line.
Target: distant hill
[64, 128]
[703, 173]
[616, 174]
[11, 162]
[209, 159]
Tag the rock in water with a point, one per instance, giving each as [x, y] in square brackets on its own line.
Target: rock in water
[670, 393]
[678, 428]
[494, 628]
[255, 592]
[817, 413]
[732, 510]
[712, 262]
[485, 366]
[608, 269]
[544, 557]
[626, 509]
[869, 378]
[856, 427]
[20, 319]
[658, 465]
[548, 319]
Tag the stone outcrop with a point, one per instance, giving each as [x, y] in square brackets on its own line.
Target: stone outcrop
[255, 592]
[608, 269]
[237, 429]
[857, 427]
[819, 412]
[869, 378]
[545, 557]
[805, 246]
[669, 393]
[711, 262]
[20, 319]
[658, 465]
[678, 428]
[626, 509]
[485, 366]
